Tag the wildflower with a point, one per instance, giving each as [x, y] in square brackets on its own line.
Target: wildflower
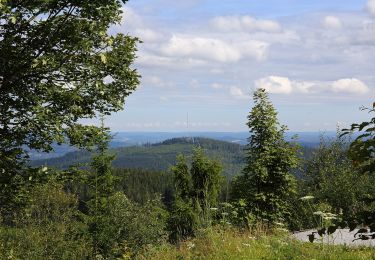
[283, 229]
[190, 245]
[307, 198]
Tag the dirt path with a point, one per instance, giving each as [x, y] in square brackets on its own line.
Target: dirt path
[340, 237]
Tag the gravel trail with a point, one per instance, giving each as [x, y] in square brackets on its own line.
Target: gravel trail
[340, 237]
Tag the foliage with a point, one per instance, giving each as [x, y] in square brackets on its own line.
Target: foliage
[362, 149]
[183, 221]
[142, 185]
[125, 227]
[266, 182]
[52, 227]
[48, 228]
[101, 186]
[17, 188]
[58, 64]
[206, 180]
[235, 214]
[232, 244]
[62, 54]
[160, 157]
[362, 153]
[332, 178]
[197, 190]
[182, 179]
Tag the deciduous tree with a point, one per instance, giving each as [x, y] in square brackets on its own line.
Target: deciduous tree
[58, 64]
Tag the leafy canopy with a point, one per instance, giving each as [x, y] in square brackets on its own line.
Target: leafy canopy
[60, 64]
[362, 149]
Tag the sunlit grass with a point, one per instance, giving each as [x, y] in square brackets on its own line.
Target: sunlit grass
[230, 244]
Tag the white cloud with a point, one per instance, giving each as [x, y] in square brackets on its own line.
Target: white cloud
[213, 49]
[155, 81]
[201, 48]
[236, 92]
[274, 84]
[371, 7]
[216, 86]
[131, 18]
[148, 35]
[251, 49]
[134, 24]
[350, 86]
[244, 23]
[149, 59]
[283, 85]
[194, 83]
[332, 22]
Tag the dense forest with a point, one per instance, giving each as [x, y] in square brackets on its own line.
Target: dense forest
[160, 156]
[184, 198]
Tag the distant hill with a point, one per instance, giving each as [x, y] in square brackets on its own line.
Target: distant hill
[127, 139]
[160, 156]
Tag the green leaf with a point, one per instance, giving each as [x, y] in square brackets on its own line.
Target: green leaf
[103, 58]
[13, 19]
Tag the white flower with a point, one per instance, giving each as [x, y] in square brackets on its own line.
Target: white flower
[190, 245]
[307, 198]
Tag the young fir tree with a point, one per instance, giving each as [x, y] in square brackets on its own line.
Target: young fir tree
[206, 182]
[196, 191]
[266, 182]
[101, 181]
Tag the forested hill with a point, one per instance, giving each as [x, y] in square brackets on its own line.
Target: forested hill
[160, 156]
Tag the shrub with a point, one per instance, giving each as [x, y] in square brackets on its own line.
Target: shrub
[48, 228]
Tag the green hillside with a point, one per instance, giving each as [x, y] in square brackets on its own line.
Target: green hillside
[160, 156]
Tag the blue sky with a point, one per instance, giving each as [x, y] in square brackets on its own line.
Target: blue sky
[204, 58]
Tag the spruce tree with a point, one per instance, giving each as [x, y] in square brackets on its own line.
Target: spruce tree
[101, 183]
[196, 191]
[266, 182]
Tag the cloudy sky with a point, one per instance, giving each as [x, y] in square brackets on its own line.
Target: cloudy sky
[204, 58]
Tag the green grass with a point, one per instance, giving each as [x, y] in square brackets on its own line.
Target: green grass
[218, 244]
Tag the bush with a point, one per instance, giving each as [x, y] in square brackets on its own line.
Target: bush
[127, 227]
[48, 228]
[183, 221]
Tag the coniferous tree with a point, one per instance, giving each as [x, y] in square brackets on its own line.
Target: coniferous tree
[266, 182]
[101, 181]
[206, 182]
[182, 179]
[197, 190]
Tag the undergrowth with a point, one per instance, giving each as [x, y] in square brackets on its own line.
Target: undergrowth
[232, 244]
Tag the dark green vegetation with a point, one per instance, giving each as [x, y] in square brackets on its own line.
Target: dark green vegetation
[59, 65]
[161, 156]
[196, 192]
[267, 183]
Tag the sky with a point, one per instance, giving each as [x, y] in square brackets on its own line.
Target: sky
[201, 60]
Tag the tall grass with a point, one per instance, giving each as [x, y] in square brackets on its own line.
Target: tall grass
[257, 244]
